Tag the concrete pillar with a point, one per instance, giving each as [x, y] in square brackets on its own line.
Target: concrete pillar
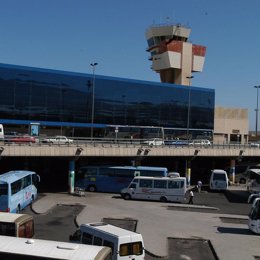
[71, 178]
[232, 170]
[188, 171]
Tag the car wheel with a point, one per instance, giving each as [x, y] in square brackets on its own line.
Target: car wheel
[127, 196]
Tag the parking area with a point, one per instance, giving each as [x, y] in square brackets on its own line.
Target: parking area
[161, 224]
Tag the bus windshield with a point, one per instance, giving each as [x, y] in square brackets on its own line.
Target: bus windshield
[219, 177]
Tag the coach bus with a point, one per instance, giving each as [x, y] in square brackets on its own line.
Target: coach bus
[113, 178]
[156, 188]
[16, 225]
[36, 249]
[18, 189]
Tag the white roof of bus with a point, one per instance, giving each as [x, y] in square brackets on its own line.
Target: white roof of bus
[50, 249]
[11, 217]
[110, 229]
[11, 176]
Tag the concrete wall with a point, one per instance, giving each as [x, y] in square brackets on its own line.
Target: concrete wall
[231, 125]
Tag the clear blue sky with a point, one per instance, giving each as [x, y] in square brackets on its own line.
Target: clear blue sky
[71, 34]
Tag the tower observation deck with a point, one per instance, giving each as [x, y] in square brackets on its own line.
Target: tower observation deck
[172, 55]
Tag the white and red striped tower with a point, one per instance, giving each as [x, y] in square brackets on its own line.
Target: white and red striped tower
[172, 55]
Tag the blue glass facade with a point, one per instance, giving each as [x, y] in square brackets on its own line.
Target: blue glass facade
[58, 98]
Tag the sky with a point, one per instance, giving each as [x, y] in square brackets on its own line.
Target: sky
[71, 34]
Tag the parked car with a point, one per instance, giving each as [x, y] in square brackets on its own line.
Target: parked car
[18, 139]
[200, 142]
[58, 139]
[176, 142]
[154, 142]
[255, 144]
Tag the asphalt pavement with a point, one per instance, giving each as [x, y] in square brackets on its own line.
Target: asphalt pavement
[223, 225]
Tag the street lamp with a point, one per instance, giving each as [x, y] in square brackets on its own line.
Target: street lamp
[93, 65]
[188, 117]
[256, 117]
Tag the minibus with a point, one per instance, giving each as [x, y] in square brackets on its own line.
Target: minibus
[16, 225]
[218, 180]
[156, 188]
[125, 244]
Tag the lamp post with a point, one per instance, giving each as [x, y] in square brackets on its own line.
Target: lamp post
[256, 114]
[188, 116]
[93, 65]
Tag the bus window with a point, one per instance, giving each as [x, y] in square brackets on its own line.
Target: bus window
[146, 183]
[3, 189]
[97, 241]
[26, 229]
[87, 238]
[160, 184]
[7, 229]
[109, 244]
[131, 249]
[173, 185]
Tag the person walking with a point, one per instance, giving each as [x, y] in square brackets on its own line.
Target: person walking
[191, 197]
[199, 185]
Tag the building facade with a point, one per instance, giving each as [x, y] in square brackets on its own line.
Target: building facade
[62, 101]
[231, 125]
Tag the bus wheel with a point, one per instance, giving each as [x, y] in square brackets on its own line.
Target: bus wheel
[92, 188]
[32, 199]
[18, 209]
[127, 196]
[163, 199]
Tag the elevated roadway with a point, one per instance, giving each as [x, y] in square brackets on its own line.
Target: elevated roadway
[124, 150]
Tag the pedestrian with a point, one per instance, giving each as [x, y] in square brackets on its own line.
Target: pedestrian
[199, 185]
[191, 197]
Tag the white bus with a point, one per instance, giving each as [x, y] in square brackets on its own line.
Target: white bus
[18, 189]
[253, 180]
[15, 248]
[125, 244]
[254, 217]
[156, 188]
[16, 225]
[218, 180]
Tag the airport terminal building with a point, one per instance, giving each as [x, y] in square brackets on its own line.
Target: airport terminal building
[69, 102]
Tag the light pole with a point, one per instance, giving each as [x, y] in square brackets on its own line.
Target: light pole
[188, 117]
[256, 114]
[93, 65]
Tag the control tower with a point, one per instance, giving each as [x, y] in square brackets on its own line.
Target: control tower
[172, 55]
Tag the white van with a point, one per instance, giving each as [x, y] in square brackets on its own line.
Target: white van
[156, 188]
[218, 180]
[125, 244]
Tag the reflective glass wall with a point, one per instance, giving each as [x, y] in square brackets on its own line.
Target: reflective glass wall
[56, 97]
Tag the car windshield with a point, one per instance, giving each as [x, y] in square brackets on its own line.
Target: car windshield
[219, 177]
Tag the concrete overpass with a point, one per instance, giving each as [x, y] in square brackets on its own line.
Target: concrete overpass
[124, 150]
